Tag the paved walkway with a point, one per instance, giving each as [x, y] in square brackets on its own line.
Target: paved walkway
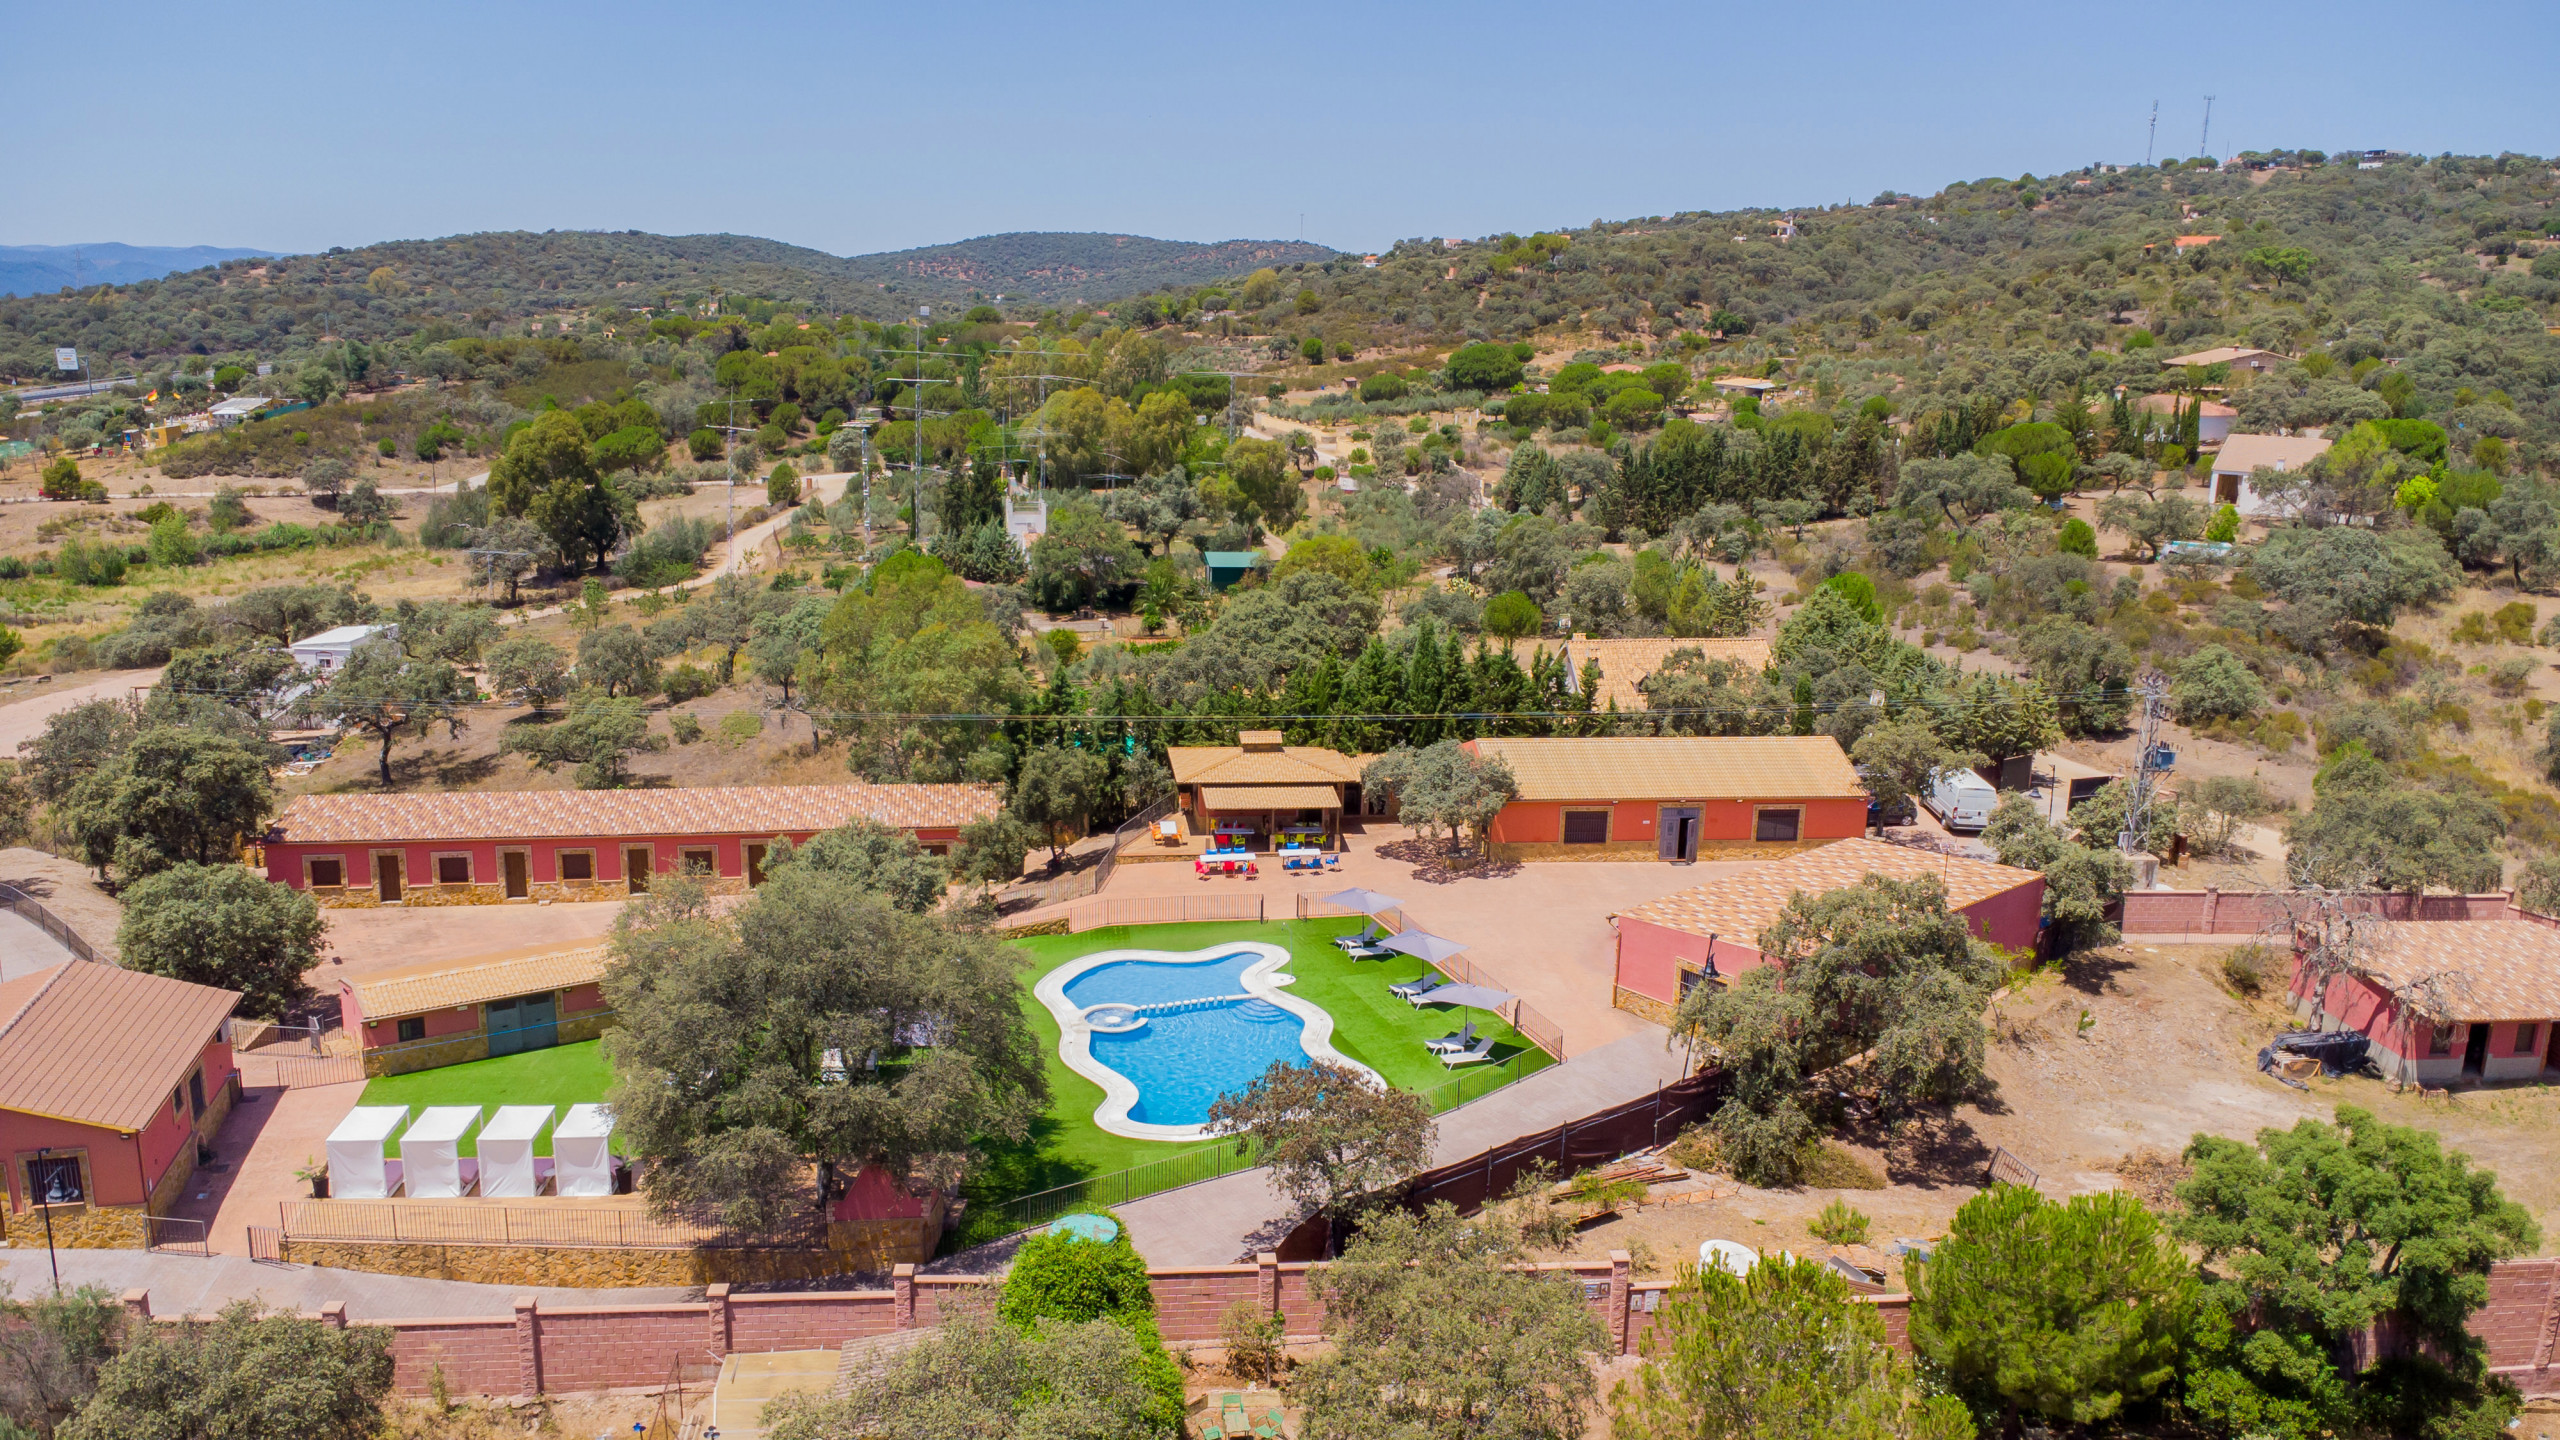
[25, 948]
[1224, 1221]
[192, 1285]
[269, 1134]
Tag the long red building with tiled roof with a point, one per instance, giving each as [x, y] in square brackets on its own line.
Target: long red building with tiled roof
[521, 846]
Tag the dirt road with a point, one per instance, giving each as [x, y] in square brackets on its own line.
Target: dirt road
[30, 705]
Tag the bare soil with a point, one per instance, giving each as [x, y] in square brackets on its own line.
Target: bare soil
[2104, 1071]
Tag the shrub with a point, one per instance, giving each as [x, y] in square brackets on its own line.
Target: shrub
[1252, 1336]
[60, 480]
[1841, 1224]
[2248, 969]
[686, 727]
[689, 682]
[2078, 538]
[2508, 677]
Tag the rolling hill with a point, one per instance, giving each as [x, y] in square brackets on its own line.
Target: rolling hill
[42, 269]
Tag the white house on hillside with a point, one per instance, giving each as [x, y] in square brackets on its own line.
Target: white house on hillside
[330, 649]
[2242, 455]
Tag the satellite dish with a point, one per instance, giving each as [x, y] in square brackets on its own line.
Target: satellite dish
[1735, 1259]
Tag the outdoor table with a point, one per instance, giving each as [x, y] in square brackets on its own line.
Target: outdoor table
[508, 1169]
[357, 1170]
[431, 1152]
[581, 1151]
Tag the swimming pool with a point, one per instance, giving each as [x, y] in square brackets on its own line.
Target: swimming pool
[1165, 1034]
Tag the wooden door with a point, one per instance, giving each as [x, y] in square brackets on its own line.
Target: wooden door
[755, 866]
[519, 885]
[1676, 833]
[386, 878]
[635, 868]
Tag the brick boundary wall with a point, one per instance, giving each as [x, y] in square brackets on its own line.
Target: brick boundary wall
[581, 1348]
[572, 1349]
[2250, 912]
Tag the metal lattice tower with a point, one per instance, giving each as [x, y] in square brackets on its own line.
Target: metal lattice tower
[2153, 687]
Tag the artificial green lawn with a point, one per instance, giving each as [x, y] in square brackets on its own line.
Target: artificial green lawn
[563, 1075]
[1369, 1025]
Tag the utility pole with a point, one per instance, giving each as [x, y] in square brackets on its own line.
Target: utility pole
[2152, 139]
[2204, 142]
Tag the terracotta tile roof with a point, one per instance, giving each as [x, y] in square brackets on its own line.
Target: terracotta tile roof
[1678, 767]
[2219, 354]
[2493, 969]
[1624, 663]
[2244, 453]
[2165, 403]
[438, 984]
[1739, 907]
[100, 1045]
[1234, 765]
[719, 810]
[1271, 797]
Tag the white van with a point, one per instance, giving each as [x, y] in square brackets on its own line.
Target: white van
[1962, 800]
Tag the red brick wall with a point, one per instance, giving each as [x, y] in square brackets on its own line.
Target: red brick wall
[479, 1357]
[600, 1347]
[808, 1322]
[1189, 1302]
[2246, 912]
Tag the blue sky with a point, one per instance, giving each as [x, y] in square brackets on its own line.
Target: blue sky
[855, 128]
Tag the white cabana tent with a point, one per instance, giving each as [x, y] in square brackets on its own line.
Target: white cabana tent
[431, 1151]
[357, 1170]
[580, 1151]
[507, 1167]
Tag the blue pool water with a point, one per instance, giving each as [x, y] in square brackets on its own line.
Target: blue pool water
[1184, 1059]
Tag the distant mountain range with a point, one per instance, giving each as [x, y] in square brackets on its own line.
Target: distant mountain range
[462, 284]
[42, 269]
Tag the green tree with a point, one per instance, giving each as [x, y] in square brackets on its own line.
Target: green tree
[782, 487]
[2082, 878]
[1073, 1280]
[1904, 759]
[1444, 784]
[2151, 524]
[172, 544]
[1331, 1137]
[547, 477]
[2070, 1311]
[174, 795]
[1882, 968]
[599, 735]
[976, 1376]
[1057, 790]
[2213, 684]
[1779, 1354]
[745, 1045]
[1512, 615]
[224, 926]
[1483, 366]
[529, 668]
[2077, 538]
[1083, 557]
[60, 479]
[2369, 826]
[617, 661]
[73, 744]
[245, 1372]
[992, 849]
[1263, 475]
[50, 1353]
[881, 858]
[1999, 716]
[385, 694]
[2311, 1236]
[1440, 1333]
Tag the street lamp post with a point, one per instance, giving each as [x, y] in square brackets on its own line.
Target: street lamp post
[44, 1153]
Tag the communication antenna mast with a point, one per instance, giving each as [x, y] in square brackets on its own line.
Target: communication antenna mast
[2204, 142]
[2153, 138]
[2153, 687]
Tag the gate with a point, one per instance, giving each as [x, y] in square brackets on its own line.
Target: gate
[266, 1243]
[174, 1235]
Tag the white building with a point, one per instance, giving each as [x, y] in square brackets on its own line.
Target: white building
[1026, 517]
[2243, 455]
[330, 649]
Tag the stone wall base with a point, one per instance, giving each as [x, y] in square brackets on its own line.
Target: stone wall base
[1659, 1012]
[852, 1246]
[80, 1227]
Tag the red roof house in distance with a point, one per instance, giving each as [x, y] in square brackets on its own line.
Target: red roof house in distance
[1667, 947]
[109, 1079]
[496, 847]
[1673, 796]
[2444, 1001]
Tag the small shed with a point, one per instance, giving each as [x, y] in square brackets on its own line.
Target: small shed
[2445, 1001]
[444, 1012]
[1226, 567]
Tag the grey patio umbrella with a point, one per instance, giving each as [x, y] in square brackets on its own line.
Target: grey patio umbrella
[1428, 948]
[1474, 997]
[1367, 902]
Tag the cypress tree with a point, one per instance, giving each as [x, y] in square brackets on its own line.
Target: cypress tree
[1425, 683]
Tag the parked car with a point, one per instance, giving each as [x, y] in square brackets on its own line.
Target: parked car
[1962, 800]
[1901, 812]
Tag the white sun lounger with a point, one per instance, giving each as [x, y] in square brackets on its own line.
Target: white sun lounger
[1460, 1041]
[1475, 1054]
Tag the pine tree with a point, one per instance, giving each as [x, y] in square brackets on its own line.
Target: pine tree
[1425, 686]
[1371, 689]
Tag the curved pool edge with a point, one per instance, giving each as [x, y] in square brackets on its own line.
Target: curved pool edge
[1261, 979]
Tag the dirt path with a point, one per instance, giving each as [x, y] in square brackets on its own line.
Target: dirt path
[742, 550]
[29, 706]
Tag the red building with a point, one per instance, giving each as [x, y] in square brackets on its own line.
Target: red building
[520, 846]
[1669, 946]
[443, 1012]
[1674, 797]
[109, 1080]
[2444, 1001]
